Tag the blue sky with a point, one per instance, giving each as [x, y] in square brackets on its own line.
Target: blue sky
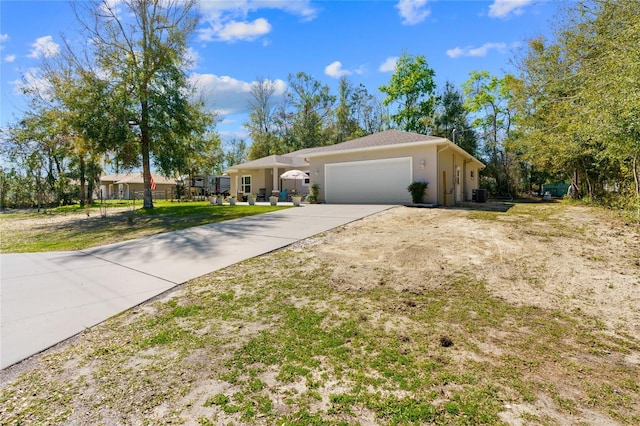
[241, 40]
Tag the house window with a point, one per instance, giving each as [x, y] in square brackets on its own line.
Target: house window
[471, 175]
[245, 185]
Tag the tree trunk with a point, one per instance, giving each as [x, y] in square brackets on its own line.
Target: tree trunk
[83, 181]
[90, 191]
[636, 174]
[145, 148]
[146, 170]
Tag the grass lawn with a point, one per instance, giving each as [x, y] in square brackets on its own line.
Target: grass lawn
[284, 339]
[76, 228]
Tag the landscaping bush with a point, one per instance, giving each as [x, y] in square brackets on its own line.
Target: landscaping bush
[417, 191]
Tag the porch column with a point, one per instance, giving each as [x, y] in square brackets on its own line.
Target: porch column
[275, 179]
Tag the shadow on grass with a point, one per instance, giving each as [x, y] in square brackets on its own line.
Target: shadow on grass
[497, 205]
[86, 232]
[194, 242]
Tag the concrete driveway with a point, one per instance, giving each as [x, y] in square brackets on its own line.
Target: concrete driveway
[49, 297]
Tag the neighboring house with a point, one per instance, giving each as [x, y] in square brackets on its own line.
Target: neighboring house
[376, 168]
[124, 186]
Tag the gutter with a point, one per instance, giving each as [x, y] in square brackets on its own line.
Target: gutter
[373, 148]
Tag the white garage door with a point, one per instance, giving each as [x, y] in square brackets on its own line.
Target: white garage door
[374, 181]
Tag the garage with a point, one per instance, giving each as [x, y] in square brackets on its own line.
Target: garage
[382, 181]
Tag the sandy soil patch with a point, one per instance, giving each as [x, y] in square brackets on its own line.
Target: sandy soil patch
[579, 262]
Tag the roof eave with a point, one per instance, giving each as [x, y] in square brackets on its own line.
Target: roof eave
[377, 148]
[239, 167]
[461, 151]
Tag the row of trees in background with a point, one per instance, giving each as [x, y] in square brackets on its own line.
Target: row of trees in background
[578, 100]
[570, 113]
[309, 115]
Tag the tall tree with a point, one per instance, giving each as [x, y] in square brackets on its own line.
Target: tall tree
[451, 120]
[211, 159]
[236, 153]
[413, 90]
[370, 114]
[346, 126]
[312, 104]
[489, 98]
[138, 49]
[262, 120]
[613, 65]
[42, 145]
[578, 96]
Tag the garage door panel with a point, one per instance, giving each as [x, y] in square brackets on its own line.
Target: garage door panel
[373, 181]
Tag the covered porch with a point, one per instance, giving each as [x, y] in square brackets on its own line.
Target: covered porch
[262, 178]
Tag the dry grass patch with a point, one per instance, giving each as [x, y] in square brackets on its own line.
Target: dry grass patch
[407, 317]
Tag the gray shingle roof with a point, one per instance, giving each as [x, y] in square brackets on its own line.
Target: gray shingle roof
[286, 160]
[385, 138]
[297, 158]
[136, 177]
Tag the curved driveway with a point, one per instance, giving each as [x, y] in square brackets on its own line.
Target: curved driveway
[46, 298]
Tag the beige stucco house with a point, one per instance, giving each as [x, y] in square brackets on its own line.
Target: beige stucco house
[124, 186]
[373, 169]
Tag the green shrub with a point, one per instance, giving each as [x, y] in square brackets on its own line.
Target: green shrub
[417, 191]
[315, 193]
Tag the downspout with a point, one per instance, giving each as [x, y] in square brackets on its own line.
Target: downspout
[438, 175]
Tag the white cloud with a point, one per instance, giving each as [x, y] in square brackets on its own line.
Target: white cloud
[413, 12]
[455, 52]
[111, 7]
[227, 95]
[301, 8]
[483, 50]
[3, 39]
[389, 65]
[335, 70]
[33, 83]
[227, 20]
[503, 8]
[244, 30]
[231, 31]
[10, 58]
[44, 46]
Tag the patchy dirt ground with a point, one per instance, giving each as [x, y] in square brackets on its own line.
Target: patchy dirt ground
[574, 260]
[519, 314]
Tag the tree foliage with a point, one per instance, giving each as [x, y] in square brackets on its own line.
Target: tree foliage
[488, 97]
[308, 115]
[237, 153]
[578, 96]
[346, 125]
[413, 90]
[312, 105]
[136, 64]
[261, 124]
[451, 119]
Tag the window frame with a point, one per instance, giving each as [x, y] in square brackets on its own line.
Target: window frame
[244, 185]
